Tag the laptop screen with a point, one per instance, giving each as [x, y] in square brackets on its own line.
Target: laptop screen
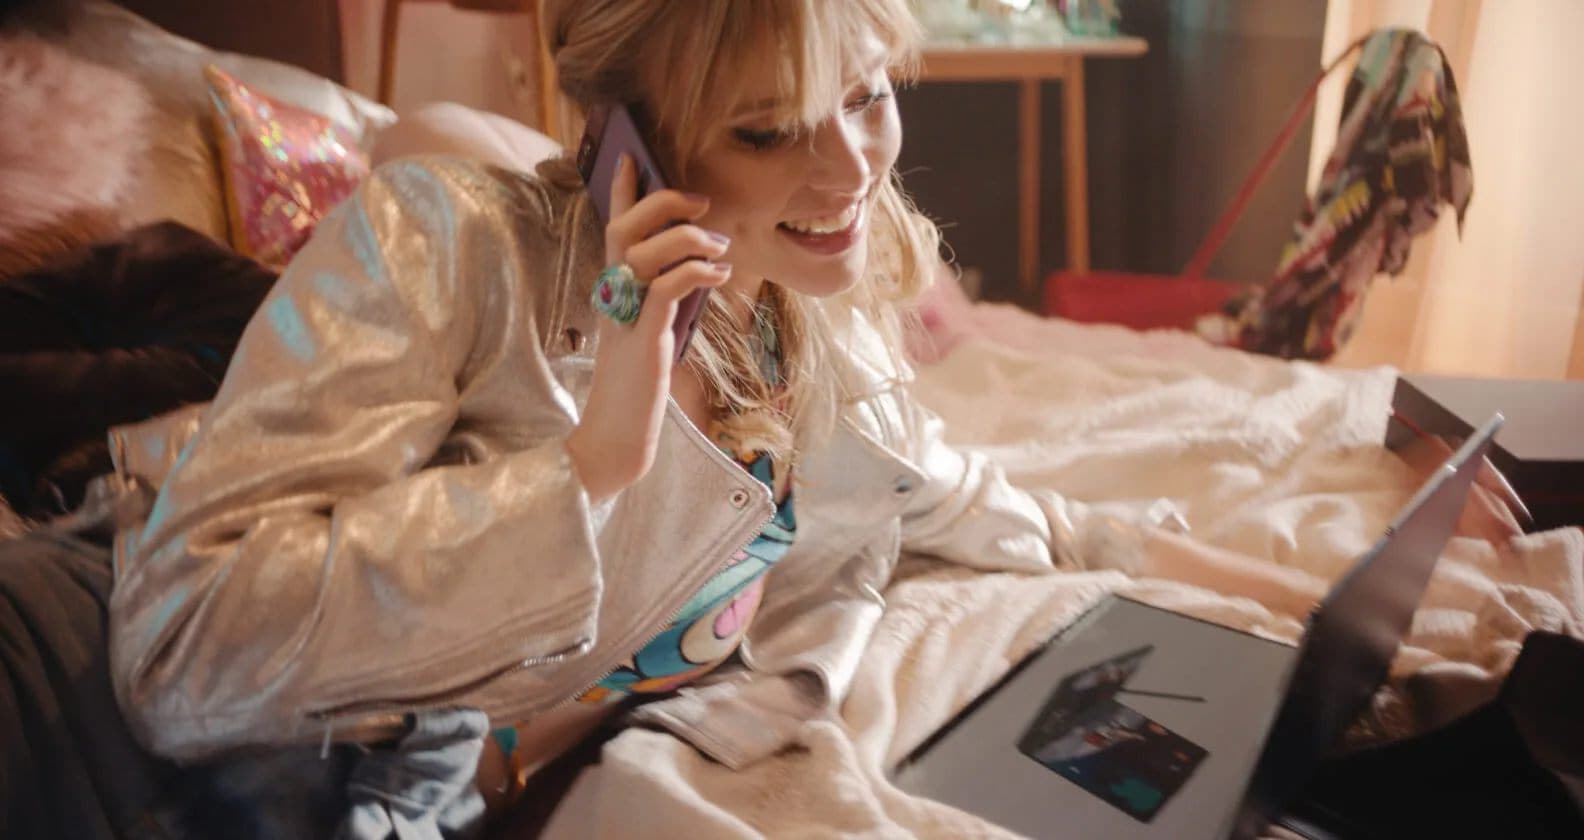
[1354, 633]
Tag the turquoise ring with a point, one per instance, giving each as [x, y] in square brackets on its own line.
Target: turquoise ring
[617, 294]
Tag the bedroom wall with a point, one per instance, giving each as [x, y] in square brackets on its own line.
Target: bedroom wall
[1162, 157]
[301, 32]
[1170, 136]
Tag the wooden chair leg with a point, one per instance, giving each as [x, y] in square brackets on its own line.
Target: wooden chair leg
[390, 25]
[549, 88]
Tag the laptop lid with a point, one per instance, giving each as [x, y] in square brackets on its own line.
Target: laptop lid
[1354, 633]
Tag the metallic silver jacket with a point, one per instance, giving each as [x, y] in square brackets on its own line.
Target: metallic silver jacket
[376, 514]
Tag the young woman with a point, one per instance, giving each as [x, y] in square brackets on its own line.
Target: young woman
[447, 475]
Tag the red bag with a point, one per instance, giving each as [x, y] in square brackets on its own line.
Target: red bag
[1175, 301]
[1140, 301]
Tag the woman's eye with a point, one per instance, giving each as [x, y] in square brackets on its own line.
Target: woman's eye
[762, 139]
[770, 138]
[868, 100]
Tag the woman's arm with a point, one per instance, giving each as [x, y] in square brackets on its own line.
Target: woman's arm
[969, 513]
[300, 556]
[966, 511]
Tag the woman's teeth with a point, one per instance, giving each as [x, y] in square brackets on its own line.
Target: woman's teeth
[824, 224]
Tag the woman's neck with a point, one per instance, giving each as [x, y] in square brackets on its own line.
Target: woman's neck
[741, 297]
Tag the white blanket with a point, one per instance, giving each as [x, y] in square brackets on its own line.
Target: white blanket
[1280, 462]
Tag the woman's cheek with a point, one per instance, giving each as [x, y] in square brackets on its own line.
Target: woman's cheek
[888, 138]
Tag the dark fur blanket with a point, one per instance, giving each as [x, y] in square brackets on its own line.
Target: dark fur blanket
[115, 333]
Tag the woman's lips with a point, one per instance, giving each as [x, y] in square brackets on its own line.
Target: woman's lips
[834, 242]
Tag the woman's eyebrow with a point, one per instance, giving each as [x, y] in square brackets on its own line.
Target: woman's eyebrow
[753, 108]
[877, 64]
[770, 103]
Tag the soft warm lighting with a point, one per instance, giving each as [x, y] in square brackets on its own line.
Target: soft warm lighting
[495, 5]
[549, 98]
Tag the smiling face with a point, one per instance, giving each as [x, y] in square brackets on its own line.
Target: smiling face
[784, 116]
[797, 200]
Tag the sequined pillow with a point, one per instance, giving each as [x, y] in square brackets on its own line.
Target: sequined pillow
[284, 168]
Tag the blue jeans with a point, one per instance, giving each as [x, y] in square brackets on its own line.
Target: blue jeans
[69, 768]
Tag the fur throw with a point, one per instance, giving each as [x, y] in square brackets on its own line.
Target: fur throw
[69, 145]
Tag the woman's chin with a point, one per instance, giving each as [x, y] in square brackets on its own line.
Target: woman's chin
[827, 277]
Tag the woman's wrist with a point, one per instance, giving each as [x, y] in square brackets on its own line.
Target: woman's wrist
[590, 467]
[583, 469]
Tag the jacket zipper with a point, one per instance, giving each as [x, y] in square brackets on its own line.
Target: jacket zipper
[714, 452]
[438, 698]
[655, 634]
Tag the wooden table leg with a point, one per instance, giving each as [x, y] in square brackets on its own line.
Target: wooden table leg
[1028, 187]
[1075, 161]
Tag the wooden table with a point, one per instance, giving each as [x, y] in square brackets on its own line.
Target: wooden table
[1029, 65]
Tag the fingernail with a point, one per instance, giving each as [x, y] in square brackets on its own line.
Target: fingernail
[696, 198]
[722, 267]
[622, 162]
[718, 237]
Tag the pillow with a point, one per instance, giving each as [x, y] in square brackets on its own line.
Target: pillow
[182, 180]
[284, 168]
[72, 135]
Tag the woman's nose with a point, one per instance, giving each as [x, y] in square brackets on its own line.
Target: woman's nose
[840, 164]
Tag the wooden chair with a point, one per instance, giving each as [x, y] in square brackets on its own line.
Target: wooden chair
[549, 96]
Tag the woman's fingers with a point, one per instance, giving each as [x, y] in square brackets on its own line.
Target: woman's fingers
[1485, 516]
[615, 441]
[655, 255]
[660, 303]
[648, 215]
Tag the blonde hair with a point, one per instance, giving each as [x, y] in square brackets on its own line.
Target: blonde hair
[605, 49]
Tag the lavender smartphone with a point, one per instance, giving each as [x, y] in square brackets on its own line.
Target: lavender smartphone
[612, 130]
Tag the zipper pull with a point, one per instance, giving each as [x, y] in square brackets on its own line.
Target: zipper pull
[324, 746]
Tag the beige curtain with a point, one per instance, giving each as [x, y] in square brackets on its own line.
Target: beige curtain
[1507, 299]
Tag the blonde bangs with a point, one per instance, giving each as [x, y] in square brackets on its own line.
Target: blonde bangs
[808, 45]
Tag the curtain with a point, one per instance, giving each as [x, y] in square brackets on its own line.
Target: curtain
[1507, 298]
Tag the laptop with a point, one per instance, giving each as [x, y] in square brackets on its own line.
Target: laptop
[1137, 722]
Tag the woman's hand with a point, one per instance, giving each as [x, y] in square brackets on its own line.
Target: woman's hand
[1493, 508]
[614, 444]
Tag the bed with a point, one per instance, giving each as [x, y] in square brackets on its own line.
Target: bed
[1280, 462]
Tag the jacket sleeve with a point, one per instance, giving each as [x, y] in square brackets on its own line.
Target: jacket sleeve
[959, 507]
[967, 511]
[305, 555]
